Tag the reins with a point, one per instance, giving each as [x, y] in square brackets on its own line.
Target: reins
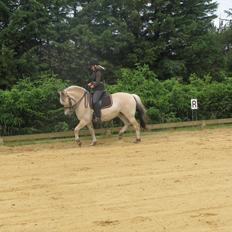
[76, 104]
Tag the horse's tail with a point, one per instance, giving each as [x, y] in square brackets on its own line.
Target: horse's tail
[140, 108]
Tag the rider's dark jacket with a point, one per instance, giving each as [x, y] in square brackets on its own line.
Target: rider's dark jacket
[96, 79]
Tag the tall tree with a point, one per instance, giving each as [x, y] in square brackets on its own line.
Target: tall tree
[226, 41]
[164, 34]
[22, 33]
[175, 38]
[35, 37]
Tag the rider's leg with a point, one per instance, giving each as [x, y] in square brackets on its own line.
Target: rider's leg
[96, 103]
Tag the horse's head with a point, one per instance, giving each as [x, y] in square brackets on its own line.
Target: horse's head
[71, 98]
[66, 101]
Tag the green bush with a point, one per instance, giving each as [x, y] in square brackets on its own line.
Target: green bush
[32, 106]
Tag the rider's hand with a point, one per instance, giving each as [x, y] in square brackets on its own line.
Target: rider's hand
[91, 85]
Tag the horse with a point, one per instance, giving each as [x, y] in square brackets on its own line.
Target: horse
[124, 106]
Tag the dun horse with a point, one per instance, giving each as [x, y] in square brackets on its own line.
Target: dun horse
[124, 105]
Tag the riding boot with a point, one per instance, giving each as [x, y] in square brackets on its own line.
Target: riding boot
[97, 114]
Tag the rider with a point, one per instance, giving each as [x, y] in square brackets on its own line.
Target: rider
[97, 87]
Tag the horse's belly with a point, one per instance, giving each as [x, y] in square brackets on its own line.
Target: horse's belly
[109, 113]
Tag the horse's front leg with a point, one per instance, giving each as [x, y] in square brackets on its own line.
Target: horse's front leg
[80, 125]
[92, 132]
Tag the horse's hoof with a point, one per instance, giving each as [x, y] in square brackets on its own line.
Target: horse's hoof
[93, 143]
[78, 143]
[137, 141]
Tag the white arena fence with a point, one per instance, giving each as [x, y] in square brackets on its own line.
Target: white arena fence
[108, 131]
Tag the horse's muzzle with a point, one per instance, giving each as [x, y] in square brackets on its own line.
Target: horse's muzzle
[68, 113]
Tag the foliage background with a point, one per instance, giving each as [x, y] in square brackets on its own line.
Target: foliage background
[169, 100]
[165, 51]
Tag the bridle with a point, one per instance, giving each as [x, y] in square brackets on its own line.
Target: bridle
[76, 104]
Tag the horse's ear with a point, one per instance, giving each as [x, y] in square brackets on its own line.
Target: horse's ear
[62, 96]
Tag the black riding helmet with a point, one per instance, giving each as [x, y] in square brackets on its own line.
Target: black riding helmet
[93, 62]
[96, 62]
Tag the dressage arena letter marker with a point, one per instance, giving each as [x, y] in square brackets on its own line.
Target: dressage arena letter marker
[194, 105]
[194, 108]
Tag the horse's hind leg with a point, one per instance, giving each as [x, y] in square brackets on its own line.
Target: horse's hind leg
[91, 130]
[80, 125]
[136, 126]
[125, 127]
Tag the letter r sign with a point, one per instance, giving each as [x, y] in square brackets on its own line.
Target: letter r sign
[194, 105]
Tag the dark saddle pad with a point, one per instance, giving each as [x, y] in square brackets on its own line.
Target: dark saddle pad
[105, 101]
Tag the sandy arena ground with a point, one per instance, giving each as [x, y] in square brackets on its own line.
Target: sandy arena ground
[171, 182]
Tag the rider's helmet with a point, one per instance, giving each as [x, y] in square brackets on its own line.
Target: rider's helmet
[94, 62]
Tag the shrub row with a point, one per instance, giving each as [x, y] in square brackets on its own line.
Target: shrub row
[33, 106]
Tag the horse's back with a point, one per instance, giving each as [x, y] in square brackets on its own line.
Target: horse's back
[124, 102]
[122, 95]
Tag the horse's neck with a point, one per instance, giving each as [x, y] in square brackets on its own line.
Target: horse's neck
[76, 92]
[84, 107]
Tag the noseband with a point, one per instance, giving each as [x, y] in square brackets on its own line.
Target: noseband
[76, 104]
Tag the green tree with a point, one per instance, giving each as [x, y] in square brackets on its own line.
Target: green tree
[35, 37]
[175, 38]
[168, 36]
[226, 42]
[21, 35]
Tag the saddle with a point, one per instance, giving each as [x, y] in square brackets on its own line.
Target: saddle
[105, 101]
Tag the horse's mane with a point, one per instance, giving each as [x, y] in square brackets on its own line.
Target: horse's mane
[74, 88]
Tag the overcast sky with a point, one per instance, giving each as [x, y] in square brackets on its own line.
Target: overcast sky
[223, 5]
